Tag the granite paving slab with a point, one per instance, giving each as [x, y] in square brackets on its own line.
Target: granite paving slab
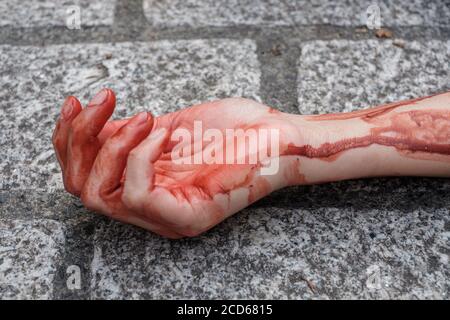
[38, 13]
[370, 238]
[159, 77]
[202, 13]
[30, 253]
[278, 253]
[342, 75]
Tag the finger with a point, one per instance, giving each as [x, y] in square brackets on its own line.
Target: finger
[110, 128]
[70, 109]
[92, 119]
[83, 145]
[111, 160]
[140, 172]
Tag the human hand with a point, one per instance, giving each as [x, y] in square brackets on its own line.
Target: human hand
[144, 170]
[125, 168]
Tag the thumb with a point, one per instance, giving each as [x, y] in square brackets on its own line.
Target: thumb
[140, 171]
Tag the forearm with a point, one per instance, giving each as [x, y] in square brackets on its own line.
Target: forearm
[410, 138]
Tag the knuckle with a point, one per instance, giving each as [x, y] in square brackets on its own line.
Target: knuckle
[114, 147]
[135, 156]
[89, 196]
[77, 126]
[70, 186]
[89, 201]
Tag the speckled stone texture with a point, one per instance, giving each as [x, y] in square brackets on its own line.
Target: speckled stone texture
[33, 13]
[30, 252]
[372, 238]
[275, 253]
[158, 77]
[201, 13]
[340, 75]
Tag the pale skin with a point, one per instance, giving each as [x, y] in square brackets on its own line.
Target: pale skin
[123, 168]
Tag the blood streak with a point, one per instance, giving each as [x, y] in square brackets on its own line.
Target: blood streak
[258, 189]
[425, 131]
[202, 181]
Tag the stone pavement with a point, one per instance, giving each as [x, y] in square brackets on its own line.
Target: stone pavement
[374, 238]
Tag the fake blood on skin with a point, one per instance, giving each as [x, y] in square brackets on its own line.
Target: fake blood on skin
[414, 131]
[420, 132]
[424, 131]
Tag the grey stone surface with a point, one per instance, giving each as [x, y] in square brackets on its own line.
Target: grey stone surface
[202, 13]
[33, 13]
[30, 253]
[155, 76]
[272, 252]
[373, 238]
[341, 75]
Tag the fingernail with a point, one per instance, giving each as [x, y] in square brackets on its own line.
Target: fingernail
[67, 109]
[141, 118]
[99, 98]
